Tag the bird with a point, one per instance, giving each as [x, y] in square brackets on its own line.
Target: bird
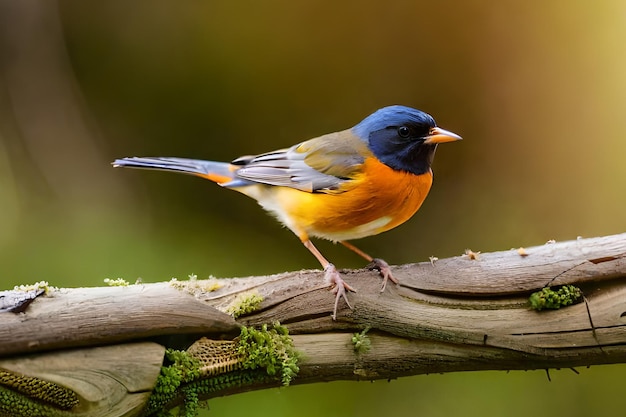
[340, 186]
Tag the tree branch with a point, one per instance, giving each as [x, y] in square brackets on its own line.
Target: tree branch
[451, 315]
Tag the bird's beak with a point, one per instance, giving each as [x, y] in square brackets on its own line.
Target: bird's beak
[439, 135]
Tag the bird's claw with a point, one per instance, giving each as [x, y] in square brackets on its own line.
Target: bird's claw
[339, 287]
[385, 272]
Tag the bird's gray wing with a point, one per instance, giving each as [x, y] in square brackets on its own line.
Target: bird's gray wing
[322, 164]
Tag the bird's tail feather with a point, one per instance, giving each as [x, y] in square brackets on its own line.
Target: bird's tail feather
[219, 172]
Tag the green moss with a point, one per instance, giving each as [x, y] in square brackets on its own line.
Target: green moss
[14, 404]
[233, 379]
[245, 304]
[266, 354]
[41, 285]
[194, 286]
[39, 389]
[553, 298]
[361, 342]
[119, 282]
[271, 349]
[180, 368]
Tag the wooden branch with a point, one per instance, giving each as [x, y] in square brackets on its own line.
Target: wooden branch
[451, 315]
[75, 317]
[108, 380]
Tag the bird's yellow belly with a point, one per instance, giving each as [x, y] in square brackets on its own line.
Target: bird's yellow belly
[370, 204]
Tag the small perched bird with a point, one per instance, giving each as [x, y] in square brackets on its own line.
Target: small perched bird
[340, 186]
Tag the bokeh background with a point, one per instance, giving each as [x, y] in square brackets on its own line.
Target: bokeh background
[537, 90]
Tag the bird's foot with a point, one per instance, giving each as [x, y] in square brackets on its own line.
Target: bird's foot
[339, 287]
[385, 271]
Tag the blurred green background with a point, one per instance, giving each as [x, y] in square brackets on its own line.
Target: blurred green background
[537, 90]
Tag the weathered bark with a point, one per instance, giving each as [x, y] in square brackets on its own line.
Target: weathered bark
[450, 315]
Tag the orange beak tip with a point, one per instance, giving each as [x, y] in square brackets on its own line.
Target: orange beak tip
[439, 135]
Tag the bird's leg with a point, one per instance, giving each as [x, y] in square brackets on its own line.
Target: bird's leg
[375, 263]
[331, 275]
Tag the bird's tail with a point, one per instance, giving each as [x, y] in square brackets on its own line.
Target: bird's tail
[219, 172]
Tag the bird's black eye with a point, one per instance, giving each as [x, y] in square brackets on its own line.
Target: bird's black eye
[404, 132]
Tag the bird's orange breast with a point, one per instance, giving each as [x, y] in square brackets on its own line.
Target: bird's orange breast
[379, 198]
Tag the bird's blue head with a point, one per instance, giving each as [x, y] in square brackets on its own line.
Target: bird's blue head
[403, 138]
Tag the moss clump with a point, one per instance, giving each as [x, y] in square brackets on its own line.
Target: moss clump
[26, 396]
[14, 404]
[39, 389]
[181, 368]
[271, 349]
[119, 282]
[41, 285]
[194, 285]
[361, 342]
[262, 355]
[245, 304]
[552, 298]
